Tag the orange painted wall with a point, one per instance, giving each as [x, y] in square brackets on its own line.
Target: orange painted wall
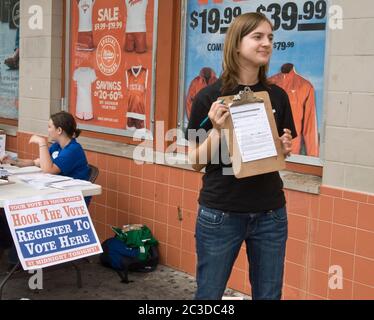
[333, 228]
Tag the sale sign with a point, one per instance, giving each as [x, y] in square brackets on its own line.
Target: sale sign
[111, 63]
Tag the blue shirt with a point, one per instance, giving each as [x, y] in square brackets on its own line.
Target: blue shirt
[71, 160]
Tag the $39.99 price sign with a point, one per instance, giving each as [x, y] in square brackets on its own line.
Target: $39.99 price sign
[289, 16]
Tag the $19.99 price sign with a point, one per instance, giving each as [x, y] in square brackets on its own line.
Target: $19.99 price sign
[213, 20]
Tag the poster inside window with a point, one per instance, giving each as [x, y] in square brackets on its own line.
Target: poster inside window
[9, 58]
[297, 63]
[112, 49]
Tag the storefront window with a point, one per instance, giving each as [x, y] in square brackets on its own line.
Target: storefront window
[297, 64]
[111, 65]
[9, 58]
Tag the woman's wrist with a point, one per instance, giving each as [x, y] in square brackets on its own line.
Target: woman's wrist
[216, 131]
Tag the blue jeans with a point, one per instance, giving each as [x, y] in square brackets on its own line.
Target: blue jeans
[219, 236]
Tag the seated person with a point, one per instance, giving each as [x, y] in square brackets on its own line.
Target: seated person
[65, 156]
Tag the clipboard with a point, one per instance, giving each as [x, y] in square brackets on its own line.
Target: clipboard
[264, 165]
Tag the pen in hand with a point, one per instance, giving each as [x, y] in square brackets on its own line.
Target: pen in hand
[202, 124]
[205, 120]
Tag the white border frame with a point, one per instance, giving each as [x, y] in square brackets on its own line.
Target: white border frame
[66, 99]
[301, 159]
[180, 139]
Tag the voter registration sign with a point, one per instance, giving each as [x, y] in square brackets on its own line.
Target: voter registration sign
[52, 229]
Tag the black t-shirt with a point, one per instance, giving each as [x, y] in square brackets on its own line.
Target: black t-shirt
[221, 189]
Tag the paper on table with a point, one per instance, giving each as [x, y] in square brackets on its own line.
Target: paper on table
[7, 165]
[70, 183]
[3, 181]
[4, 170]
[23, 170]
[253, 132]
[42, 178]
[4, 173]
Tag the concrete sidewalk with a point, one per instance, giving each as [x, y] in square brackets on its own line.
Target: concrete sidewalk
[100, 283]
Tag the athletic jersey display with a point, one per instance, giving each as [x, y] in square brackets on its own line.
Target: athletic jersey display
[302, 98]
[136, 41]
[85, 35]
[136, 10]
[85, 15]
[206, 77]
[136, 83]
[84, 77]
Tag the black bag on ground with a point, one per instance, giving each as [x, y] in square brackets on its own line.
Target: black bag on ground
[118, 256]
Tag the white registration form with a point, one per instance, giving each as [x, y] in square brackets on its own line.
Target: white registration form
[253, 132]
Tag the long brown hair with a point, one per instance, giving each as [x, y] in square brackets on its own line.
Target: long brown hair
[67, 123]
[241, 26]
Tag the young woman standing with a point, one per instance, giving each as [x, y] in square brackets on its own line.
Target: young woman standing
[235, 210]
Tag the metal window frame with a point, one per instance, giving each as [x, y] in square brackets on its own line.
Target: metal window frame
[300, 159]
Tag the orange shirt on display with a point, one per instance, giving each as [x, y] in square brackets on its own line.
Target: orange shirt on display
[302, 98]
[206, 77]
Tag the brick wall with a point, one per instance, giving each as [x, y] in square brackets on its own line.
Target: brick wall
[335, 227]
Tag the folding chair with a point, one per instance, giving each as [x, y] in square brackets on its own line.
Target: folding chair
[94, 172]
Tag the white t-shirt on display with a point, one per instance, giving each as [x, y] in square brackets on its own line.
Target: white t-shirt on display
[136, 11]
[85, 15]
[84, 77]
